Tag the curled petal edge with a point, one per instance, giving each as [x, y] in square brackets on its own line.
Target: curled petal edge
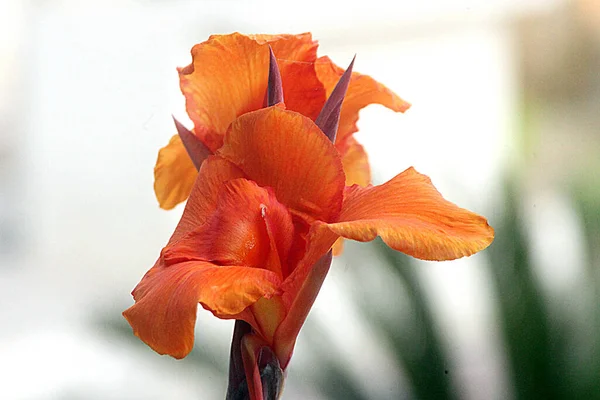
[411, 216]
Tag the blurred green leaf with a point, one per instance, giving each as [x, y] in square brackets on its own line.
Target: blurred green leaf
[405, 320]
[531, 345]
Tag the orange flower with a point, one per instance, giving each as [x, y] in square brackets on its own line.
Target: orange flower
[228, 77]
[253, 242]
[270, 200]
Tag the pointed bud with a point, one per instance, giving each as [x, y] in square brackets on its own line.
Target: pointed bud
[254, 370]
[271, 374]
[329, 117]
[197, 150]
[274, 88]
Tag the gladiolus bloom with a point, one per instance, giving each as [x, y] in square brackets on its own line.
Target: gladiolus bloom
[228, 77]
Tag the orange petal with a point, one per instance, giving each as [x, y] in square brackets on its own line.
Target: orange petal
[268, 314]
[203, 198]
[296, 54]
[363, 90]
[174, 174]
[318, 242]
[357, 170]
[356, 163]
[338, 247]
[249, 227]
[286, 151]
[302, 90]
[164, 313]
[303, 295]
[228, 77]
[411, 216]
[299, 47]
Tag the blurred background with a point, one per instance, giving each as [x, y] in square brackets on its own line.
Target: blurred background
[505, 120]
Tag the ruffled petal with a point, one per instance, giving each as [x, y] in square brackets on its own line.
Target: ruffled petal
[164, 313]
[174, 174]
[296, 54]
[363, 90]
[228, 77]
[299, 47]
[249, 227]
[203, 200]
[286, 151]
[411, 216]
[356, 164]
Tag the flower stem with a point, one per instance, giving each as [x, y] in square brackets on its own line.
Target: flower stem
[271, 374]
